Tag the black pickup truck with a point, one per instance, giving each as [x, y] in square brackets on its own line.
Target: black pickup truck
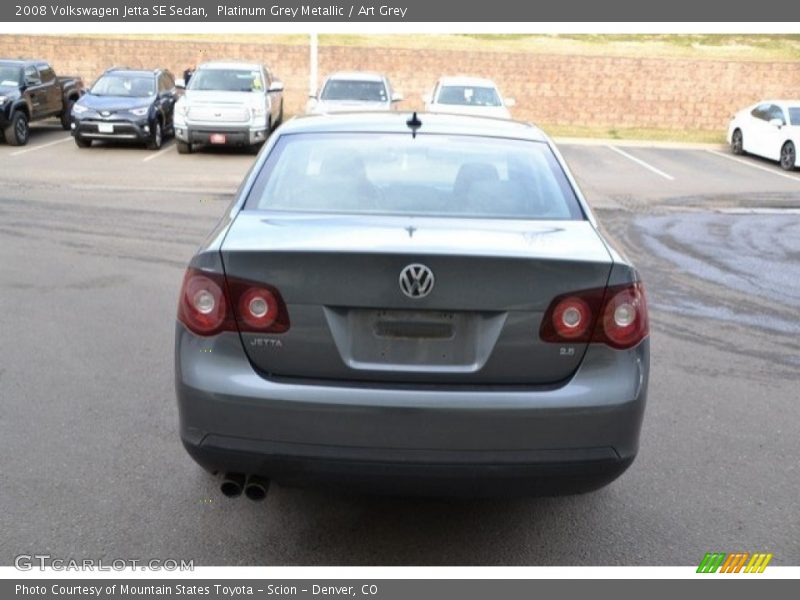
[30, 91]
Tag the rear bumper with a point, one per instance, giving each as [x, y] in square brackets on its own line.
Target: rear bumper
[571, 438]
[235, 135]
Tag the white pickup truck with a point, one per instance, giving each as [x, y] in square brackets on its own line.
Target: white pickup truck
[228, 103]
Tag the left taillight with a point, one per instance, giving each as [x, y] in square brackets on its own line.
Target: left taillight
[210, 304]
[203, 306]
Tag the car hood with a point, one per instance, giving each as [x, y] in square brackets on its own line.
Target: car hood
[218, 97]
[114, 103]
[500, 112]
[9, 90]
[330, 106]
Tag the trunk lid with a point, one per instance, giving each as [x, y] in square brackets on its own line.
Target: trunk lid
[350, 320]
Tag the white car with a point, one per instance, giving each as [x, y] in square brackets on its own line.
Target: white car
[353, 91]
[770, 129]
[228, 103]
[468, 96]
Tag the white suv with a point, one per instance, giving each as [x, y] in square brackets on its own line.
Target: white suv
[228, 103]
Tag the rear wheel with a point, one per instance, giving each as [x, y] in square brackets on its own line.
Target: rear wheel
[788, 156]
[737, 142]
[66, 114]
[17, 132]
[183, 147]
[157, 137]
[82, 142]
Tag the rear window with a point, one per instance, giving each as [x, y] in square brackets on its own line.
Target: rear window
[430, 175]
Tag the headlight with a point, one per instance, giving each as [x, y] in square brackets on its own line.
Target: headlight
[3, 100]
[258, 111]
[182, 108]
[78, 109]
[140, 112]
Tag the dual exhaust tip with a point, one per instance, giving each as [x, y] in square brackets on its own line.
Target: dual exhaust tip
[253, 486]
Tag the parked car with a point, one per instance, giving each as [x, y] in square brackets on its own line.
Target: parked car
[228, 103]
[354, 91]
[770, 129]
[127, 105]
[31, 91]
[468, 96]
[417, 305]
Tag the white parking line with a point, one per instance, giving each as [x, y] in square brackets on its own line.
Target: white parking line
[164, 150]
[754, 165]
[40, 146]
[640, 162]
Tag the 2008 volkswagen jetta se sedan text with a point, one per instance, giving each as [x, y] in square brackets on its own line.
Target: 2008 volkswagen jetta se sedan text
[414, 304]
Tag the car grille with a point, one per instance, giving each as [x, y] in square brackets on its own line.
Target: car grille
[226, 114]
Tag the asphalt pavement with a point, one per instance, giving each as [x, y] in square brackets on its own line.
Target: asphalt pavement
[93, 244]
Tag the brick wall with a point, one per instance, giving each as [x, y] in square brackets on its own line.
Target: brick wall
[558, 89]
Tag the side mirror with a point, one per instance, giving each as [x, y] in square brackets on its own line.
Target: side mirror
[776, 123]
[276, 86]
[32, 81]
[312, 96]
[510, 102]
[180, 84]
[397, 97]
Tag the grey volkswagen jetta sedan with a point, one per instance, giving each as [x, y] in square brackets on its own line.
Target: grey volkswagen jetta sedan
[415, 304]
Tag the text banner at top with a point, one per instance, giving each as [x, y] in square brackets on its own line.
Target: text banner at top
[412, 11]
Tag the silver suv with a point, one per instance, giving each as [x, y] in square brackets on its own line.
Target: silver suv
[228, 103]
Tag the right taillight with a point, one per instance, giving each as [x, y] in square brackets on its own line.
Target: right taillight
[616, 316]
[210, 303]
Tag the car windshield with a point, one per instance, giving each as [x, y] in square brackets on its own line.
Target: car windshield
[120, 84]
[794, 115]
[226, 80]
[10, 76]
[430, 175]
[362, 91]
[468, 95]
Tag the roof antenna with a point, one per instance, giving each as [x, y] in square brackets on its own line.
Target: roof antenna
[413, 124]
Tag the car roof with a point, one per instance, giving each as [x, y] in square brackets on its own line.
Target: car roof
[463, 80]
[230, 64]
[782, 102]
[23, 63]
[395, 122]
[356, 76]
[133, 71]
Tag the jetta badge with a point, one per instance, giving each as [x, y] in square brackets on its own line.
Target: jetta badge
[416, 281]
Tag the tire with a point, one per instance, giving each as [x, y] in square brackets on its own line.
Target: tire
[737, 142]
[157, 137]
[183, 147]
[788, 156]
[66, 114]
[17, 132]
[82, 142]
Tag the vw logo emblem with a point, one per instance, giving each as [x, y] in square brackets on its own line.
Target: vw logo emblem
[416, 281]
[105, 113]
